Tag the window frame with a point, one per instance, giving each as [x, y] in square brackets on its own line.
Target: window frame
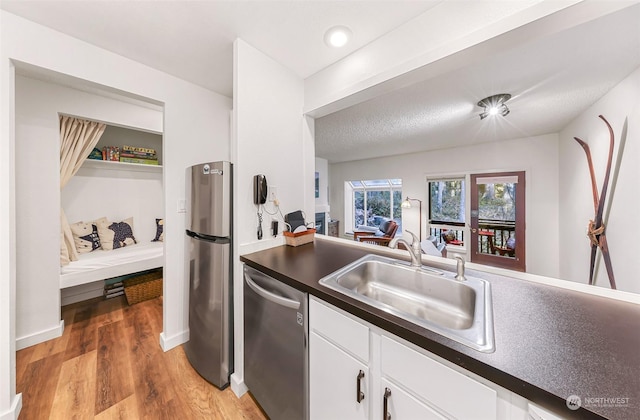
[440, 225]
[392, 185]
[518, 262]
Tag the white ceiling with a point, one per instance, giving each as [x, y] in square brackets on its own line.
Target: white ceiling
[193, 40]
[552, 80]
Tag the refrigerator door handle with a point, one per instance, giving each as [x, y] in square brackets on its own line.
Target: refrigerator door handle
[209, 238]
[279, 300]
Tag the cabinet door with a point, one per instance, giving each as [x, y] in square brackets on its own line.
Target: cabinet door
[402, 406]
[440, 385]
[334, 376]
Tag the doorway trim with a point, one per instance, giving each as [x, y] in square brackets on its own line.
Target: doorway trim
[518, 262]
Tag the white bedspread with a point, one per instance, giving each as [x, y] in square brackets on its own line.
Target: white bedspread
[101, 264]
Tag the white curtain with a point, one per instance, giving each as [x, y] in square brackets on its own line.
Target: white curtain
[77, 139]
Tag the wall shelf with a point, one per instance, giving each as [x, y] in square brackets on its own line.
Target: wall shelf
[120, 166]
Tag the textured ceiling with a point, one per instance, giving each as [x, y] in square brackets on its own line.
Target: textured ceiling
[193, 40]
[552, 80]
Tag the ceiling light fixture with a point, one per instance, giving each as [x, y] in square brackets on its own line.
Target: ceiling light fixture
[494, 105]
[337, 37]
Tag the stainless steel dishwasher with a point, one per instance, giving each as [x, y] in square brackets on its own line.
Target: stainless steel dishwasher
[276, 357]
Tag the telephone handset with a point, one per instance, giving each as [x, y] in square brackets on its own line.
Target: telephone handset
[259, 189]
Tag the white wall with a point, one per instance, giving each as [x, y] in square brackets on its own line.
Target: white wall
[9, 403]
[269, 139]
[196, 128]
[38, 196]
[268, 108]
[118, 195]
[538, 156]
[576, 203]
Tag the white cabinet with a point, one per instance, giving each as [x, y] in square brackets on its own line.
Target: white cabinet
[449, 391]
[338, 365]
[416, 385]
[335, 377]
[341, 329]
[402, 405]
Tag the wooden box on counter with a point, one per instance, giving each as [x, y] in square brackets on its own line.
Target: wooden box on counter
[300, 238]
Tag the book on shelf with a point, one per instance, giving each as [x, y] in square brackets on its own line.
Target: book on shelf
[139, 155]
[95, 154]
[139, 149]
[138, 160]
[111, 153]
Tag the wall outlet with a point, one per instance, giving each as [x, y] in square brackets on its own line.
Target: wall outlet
[273, 193]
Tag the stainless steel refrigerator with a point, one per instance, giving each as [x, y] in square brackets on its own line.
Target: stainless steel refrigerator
[209, 228]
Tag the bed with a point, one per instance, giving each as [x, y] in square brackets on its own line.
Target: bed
[101, 264]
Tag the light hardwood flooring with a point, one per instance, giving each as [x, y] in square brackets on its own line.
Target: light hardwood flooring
[108, 365]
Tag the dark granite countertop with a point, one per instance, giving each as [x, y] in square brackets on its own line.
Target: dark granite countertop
[550, 342]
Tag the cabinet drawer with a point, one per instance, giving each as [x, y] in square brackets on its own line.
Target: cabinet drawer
[451, 392]
[346, 332]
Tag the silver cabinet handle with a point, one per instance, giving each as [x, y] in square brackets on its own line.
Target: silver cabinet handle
[272, 297]
[359, 393]
[385, 405]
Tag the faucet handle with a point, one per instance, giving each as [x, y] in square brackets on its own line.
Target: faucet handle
[460, 268]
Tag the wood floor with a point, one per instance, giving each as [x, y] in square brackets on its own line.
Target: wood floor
[108, 365]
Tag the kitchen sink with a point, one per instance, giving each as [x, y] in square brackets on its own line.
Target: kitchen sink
[429, 298]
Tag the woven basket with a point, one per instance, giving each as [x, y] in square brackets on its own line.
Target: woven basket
[144, 287]
[300, 238]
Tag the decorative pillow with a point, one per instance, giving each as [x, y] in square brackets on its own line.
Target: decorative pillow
[115, 235]
[85, 237]
[159, 231]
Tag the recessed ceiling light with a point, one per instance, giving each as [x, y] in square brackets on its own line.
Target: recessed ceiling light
[494, 105]
[337, 37]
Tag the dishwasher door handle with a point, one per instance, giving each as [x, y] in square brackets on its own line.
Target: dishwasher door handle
[272, 297]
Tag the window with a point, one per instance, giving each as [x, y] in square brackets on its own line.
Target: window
[373, 202]
[447, 210]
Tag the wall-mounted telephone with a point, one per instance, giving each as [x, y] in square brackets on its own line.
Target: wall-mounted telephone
[259, 189]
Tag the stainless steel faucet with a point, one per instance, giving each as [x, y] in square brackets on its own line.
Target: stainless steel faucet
[460, 268]
[414, 248]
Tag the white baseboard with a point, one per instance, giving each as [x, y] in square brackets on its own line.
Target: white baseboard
[39, 337]
[167, 343]
[238, 386]
[14, 411]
